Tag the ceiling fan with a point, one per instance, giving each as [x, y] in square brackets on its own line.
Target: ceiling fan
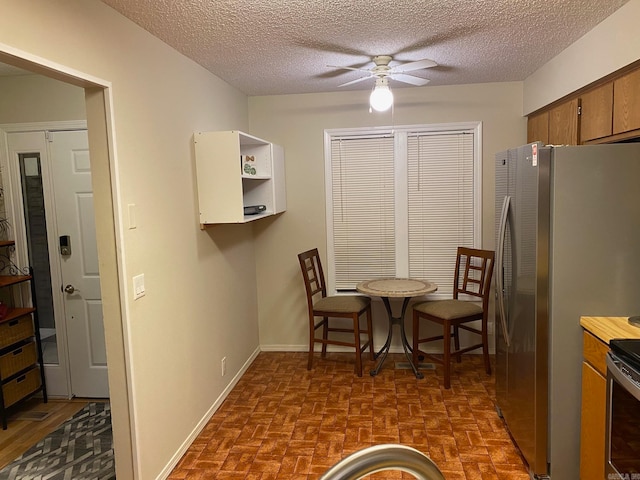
[382, 69]
[381, 97]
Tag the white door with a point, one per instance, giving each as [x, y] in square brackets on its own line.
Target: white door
[74, 349]
[80, 282]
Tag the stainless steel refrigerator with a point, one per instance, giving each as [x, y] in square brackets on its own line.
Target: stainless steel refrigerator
[568, 244]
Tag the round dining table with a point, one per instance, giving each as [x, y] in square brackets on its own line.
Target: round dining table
[387, 288]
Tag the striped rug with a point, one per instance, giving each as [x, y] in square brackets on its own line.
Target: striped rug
[80, 449]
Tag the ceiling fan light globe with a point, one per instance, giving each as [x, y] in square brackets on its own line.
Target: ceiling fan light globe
[381, 98]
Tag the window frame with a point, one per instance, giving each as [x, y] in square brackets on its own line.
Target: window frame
[400, 134]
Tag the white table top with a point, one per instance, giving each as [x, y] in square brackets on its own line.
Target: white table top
[396, 287]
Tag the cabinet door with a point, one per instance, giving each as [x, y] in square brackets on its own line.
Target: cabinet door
[596, 118]
[563, 124]
[592, 424]
[538, 128]
[626, 102]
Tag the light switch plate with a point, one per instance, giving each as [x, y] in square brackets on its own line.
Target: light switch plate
[138, 286]
[131, 207]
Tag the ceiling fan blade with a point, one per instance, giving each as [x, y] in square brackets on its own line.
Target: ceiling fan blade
[361, 79]
[417, 65]
[350, 68]
[411, 79]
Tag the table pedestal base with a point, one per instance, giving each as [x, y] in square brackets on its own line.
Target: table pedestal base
[384, 351]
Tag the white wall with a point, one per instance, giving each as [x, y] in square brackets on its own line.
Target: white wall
[298, 122]
[611, 45]
[200, 302]
[202, 294]
[34, 98]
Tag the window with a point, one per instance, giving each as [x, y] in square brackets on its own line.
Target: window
[400, 201]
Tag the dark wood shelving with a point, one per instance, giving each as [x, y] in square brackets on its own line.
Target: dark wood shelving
[21, 363]
[18, 312]
[8, 280]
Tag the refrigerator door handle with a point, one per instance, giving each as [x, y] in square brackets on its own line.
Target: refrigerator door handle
[500, 277]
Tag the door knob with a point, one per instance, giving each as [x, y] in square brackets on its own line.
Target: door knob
[69, 288]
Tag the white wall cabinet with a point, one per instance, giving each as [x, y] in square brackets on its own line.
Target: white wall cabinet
[235, 170]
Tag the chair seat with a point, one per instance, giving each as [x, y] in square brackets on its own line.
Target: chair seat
[342, 304]
[449, 309]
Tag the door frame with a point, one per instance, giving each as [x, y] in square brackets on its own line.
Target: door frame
[109, 229]
[59, 375]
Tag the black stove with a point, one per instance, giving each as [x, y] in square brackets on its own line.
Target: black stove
[627, 350]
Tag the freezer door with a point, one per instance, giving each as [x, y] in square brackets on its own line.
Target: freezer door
[516, 299]
[505, 169]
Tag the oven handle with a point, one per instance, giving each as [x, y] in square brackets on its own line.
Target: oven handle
[613, 369]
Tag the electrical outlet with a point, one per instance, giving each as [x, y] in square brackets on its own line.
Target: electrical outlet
[223, 365]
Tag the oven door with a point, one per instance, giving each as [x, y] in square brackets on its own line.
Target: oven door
[623, 420]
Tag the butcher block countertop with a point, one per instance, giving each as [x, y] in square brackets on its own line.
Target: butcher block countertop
[607, 328]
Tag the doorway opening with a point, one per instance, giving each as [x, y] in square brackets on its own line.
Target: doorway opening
[97, 94]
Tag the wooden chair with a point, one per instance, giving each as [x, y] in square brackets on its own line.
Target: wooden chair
[337, 306]
[474, 269]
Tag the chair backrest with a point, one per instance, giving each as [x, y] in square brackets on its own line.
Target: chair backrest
[474, 269]
[313, 275]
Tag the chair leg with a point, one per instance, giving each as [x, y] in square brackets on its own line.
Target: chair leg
[312, 336]
[370, 333]
[325, 336]
[485, 349]
[415, 332]
[446, 347]
[356, 329]
[456, 342]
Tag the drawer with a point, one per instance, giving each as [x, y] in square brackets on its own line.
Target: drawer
[15, 330]
[595, 352]
[21, 387]
[18, 359]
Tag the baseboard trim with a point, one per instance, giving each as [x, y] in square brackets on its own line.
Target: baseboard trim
[166, 471]
[334, 348]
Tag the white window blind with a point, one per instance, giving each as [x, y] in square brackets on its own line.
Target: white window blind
[440, 203]
[363, 209]
[400, 202]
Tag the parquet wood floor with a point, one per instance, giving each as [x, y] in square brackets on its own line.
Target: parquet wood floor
[282, 421]
[22, 434]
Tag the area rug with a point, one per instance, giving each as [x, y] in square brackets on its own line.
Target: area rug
[80, 449]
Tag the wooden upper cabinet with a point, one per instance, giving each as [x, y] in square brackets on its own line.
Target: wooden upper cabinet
[563, 124]
[607, 113]
[538, 128]
[626, 102]
[596, 113]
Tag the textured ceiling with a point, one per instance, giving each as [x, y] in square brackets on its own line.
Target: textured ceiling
[265, 47]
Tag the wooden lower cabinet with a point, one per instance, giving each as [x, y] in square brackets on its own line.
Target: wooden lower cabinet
[593, 408]
[592, 424]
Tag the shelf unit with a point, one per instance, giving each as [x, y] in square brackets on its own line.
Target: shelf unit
[226, 186]
[21, 365]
